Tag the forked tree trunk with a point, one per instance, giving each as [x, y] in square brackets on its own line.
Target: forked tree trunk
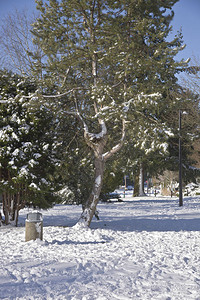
[97, 143]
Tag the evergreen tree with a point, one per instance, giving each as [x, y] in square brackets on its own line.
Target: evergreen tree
[109, 64]
[26, 148]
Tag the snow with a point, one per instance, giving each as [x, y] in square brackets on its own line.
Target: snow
[16, 152]
[23, 171]
[37, 155]
[32, 162]
[141, 248]
[98, 181]
[45, 147]
[34, 186]
[15, 137]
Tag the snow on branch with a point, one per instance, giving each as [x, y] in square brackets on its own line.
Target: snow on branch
[127, 105]
[116, 148]
[90, 137]
[148, 97]
[63, 94]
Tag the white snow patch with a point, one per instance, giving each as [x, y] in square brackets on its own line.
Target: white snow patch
[98, 180]
[34, 186]
[15, 152]
[23, 171]
[37, 155]
[45, 147]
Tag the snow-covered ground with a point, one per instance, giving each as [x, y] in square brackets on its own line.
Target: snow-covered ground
[142, 248]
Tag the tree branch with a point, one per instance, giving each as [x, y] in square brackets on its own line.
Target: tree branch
[60, 95]
[116, 148]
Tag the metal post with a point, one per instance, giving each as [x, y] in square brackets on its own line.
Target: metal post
[180, 163]
[124, 186]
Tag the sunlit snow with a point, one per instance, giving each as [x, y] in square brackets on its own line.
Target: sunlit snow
[141, 248]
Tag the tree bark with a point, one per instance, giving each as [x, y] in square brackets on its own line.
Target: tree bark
[136, 185]
[11, 208]
[141, 181]
[89, 207]
[12, 203]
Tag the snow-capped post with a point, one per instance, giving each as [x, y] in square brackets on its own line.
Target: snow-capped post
[34, 226]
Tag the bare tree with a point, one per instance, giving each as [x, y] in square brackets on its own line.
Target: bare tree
[191, 78]
[16, 42]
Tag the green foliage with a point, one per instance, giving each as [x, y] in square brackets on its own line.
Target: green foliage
[76, 173]
[113, 177]
[26, 143]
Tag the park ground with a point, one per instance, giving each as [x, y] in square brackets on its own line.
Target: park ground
[141, 248]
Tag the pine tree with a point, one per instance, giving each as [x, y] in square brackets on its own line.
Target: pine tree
[108, 64]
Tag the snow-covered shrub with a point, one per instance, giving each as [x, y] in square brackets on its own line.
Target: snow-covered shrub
[66, 196]
[25, 149]
[192, 189]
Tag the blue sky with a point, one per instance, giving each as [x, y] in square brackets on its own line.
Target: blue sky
[187, 17]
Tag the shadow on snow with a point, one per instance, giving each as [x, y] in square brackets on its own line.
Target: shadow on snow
[149, 224]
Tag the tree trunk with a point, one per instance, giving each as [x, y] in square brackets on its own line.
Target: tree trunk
[15, 207]
[136, 185]
[89, 207]
[97, 143]
[11, 206]
[6, 208]
[141, 181]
